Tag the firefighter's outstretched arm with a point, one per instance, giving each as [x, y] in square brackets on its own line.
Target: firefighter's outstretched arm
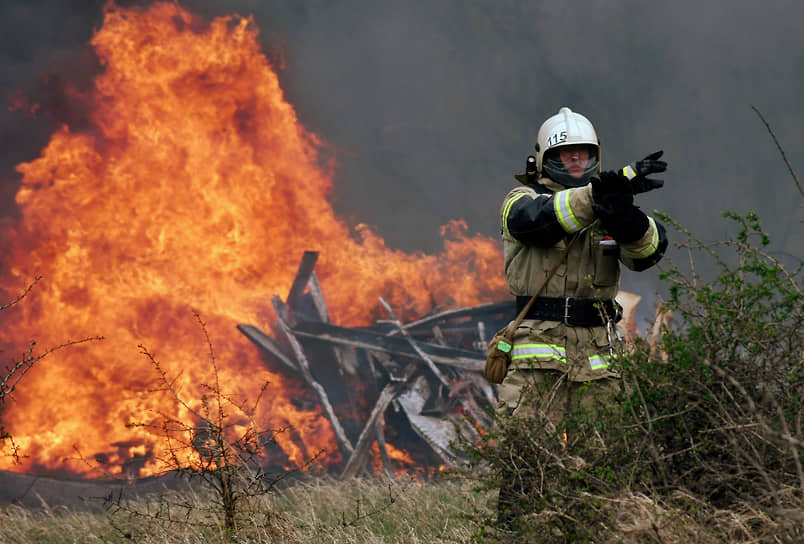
[542, 219]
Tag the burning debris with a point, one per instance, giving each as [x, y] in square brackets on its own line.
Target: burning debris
[428, 371]
[191, 189]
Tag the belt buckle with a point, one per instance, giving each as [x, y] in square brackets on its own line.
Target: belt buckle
[567, 303]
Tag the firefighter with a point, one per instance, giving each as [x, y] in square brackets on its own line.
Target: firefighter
[564, 351]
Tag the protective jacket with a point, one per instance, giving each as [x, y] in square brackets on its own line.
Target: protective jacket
[538, 221]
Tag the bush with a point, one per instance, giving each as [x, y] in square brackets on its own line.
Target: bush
[705, 443]
[723, 411]
[223, 448]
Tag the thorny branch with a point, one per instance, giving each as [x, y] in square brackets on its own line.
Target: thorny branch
[226, 460]
[23, 294]
[367, 513]
[18, 369]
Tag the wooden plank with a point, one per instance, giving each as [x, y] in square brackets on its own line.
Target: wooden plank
[302, 277]
[318, 297]
[482, 344]
[468, 403]
[268, 344]
[386, 459]
[429, 362]
[369, 431]
[304, 366]
[367, 339]
[346, 361]
[437, 432]
[475, 313]
[487, 390]
[439, 336]
[282, 310]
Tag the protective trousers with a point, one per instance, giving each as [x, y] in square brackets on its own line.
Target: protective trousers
[544, 400]
[547, 397]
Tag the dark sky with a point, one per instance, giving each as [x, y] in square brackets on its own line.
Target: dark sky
[430, 106]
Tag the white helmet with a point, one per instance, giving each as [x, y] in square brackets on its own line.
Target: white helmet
[566, 128]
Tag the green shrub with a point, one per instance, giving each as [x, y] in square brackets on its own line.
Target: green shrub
[709, 419]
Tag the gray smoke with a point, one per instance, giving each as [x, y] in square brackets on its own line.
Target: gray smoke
[430, 107]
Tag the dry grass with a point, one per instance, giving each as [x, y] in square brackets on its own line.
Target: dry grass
[376, 511]
[320, 510]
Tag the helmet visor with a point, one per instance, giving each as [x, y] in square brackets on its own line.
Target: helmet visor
[571, 166]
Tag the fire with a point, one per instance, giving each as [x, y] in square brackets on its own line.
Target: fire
[195, 187]
[399, 458]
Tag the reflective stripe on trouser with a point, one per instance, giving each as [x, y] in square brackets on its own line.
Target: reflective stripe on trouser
[599, 361]
[539, 351]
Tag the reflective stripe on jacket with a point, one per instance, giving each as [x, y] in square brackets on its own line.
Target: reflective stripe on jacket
[537, 223]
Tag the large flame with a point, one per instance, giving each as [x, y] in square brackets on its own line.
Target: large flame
[195, 188]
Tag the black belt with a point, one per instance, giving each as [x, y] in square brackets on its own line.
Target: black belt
[575, 312]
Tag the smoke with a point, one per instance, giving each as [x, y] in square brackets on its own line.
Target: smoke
[429, 107]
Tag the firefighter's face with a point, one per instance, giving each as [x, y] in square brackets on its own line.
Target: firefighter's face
[575, 158]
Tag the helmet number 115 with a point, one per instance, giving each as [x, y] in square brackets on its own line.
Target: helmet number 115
[557, 138]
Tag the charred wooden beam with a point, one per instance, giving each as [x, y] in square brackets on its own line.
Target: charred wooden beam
[268, 344]
[386, 459]
[313, 305]
[318, 297]
[304, 366]
[378, 341]
[412, 343]
[358, 458]
[485, 387]
[345, 360]
[439, 336]
[469, 404]
[283, 312]
[302, 277]
[486, 312]
[482, 343]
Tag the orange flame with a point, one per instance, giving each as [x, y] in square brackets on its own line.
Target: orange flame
[195, 187]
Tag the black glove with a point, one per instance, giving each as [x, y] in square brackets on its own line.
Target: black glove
[610, 183]
[614, 205]
[638, 172]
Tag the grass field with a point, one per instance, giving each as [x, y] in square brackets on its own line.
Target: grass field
[317, 510]
[367, 511]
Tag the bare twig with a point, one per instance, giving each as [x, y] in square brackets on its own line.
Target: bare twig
[779, 147]
[23, 294]
[18, 369]
[367, 513]
[225, 459]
